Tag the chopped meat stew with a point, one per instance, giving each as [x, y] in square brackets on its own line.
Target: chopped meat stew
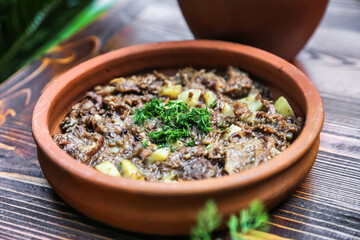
[193, 125]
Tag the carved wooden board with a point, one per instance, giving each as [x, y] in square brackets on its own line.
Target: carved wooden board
[325, 206]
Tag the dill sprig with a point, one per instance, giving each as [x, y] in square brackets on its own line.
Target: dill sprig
[250, 220]
[190, 143]
[208, 220]
[253, 218]
[213, 104]
[168, 135]
[176, 120]
[144, 143]
[199, 117]
[151, 109]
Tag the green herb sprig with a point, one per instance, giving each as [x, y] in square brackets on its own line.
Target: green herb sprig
[176, 120]
[213, 104]
[254, 218]
[168, 135]
[151, 110]
[144, 143]
[190, 144]
[207, 221]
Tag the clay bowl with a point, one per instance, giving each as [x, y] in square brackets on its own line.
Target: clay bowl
[171, 208]
[280, 26]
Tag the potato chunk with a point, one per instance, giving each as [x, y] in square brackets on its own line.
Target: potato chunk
[231, 130]
[172, 91]
[118, 80]
[227, 110]
[169, 179]
[108, 168]
[190, 97]
[209, 98]
[160, 154]
[283, 107]
[250, 119]
[130, 170]
[253, 103]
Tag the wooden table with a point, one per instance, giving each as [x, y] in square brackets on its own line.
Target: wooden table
[325, 206]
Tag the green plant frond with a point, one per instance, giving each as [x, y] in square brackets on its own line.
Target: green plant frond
[254, 217]
[22, 21]
[29, 27]
[208, 220]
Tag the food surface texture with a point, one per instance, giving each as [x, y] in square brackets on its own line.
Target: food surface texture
[192, 125]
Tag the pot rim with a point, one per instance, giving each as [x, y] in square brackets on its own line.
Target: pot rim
[307, 137]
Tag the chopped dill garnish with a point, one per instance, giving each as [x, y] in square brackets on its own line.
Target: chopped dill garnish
[199, 117]
[190, 144]
[144, 143]
[150, 110]
[222, 127]
[213, 104]
[250, 221]
[168, 135]
[176, 120]
[253, 218]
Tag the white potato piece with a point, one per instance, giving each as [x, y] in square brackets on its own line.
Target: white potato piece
[159, 155]
[231, 130]
[130, 170]
[227, 110]
[108, 168]
[250, 119]
[209, 97]
[177, 144]
[253, 103]
[289, 136]
[190, 97]
[283, 107]
[169, 179]
[172, 91]
[117, 80]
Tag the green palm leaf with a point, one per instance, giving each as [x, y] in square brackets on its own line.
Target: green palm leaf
[29, 27]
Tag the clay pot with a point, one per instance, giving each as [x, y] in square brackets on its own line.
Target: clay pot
[171, 208]
[279, 26]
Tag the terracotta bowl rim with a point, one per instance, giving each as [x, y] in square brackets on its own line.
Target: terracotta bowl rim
[310, 132]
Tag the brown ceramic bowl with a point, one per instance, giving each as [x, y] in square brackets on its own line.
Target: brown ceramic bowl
[279, 26]
[171, 208]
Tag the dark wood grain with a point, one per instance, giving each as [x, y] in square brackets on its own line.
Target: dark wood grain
[325, 206]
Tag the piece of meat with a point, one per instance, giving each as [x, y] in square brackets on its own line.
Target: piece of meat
[216, 151]
[145, 153]
[238, 83]
[124, 85]
[104, 90]
[240, 109]
[80, 144]
[116, 104]
[136, 100]
[198, 168]
[197, 151]
[248, 152]
[213, 82]
[148, 84]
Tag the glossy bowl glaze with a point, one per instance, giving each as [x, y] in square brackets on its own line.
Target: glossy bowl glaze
[279, 26]
[171, 208]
